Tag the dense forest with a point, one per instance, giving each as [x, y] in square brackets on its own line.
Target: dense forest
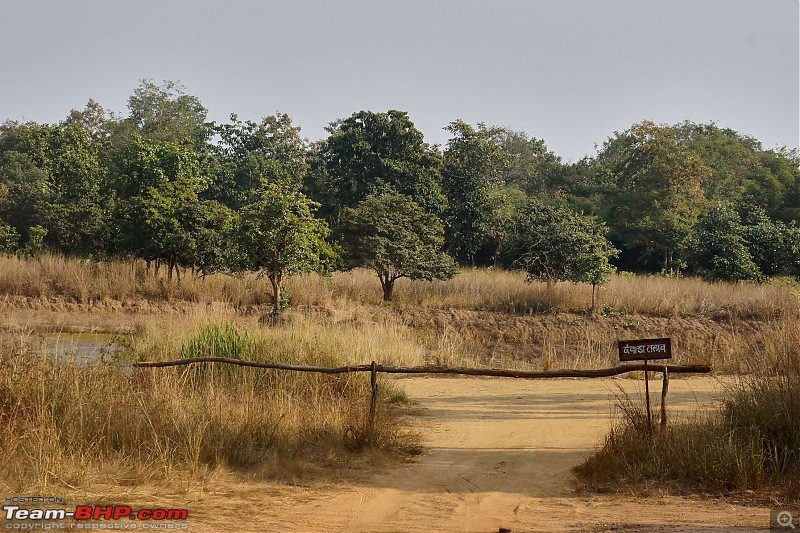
[165, 185]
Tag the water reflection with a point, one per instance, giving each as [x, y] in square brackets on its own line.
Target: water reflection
[76, 348]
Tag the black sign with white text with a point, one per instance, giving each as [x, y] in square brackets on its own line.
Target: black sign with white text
[645, 349]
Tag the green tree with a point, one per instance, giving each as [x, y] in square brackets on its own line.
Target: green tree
[279, 236]
[791, 253]
[766, 240]
[474, 162]
[657, 196]
[213, 229]
[250, 152]
[718, 247]
[553, 243]
[167, 113]
[27, 191]
[35, 242]
[374, 153]
[157, 186]
[729, 156]
[93, 119]
[531, 167]
[775, 184]
[397, 238]
[53, 177]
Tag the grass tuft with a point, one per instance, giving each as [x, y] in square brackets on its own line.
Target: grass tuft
[751, 442]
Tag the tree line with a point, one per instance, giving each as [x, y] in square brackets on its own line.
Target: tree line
[165, 185]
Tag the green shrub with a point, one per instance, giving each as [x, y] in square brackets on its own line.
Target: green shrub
[218, 340]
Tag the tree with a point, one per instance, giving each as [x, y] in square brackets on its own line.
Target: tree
[729, 156]
[791, 253]
[531, 167]
[279, 236]
[250, 152]
[474, 162]
[93, 119]
[157, 186]
[657, 195]
[394, 236]
[167, 113]
[27, 192]
[9, 239]
[718, 247]
[53, 177]
[35, 245]
[766, 241]
[375, 153]
[553, 243]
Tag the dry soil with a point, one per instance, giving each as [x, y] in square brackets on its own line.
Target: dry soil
[498, 454]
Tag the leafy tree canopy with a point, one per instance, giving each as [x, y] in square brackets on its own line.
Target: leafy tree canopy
[374, 153]
[251, 152]
[531, 167]
[553, 243]
[718, 247]
[167, 113]
[474, 166]
[657, 193]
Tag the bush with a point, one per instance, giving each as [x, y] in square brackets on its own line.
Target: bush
[719, 250]
[9, 238]
[751, 443]
[218, 340]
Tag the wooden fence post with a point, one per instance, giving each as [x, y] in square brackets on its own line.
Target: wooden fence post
[664, 390]
[647, 397]
[373, 400]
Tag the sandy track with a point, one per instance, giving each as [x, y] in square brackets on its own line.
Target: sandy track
[499, 453]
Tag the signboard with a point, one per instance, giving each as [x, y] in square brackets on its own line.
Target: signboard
[645, 349]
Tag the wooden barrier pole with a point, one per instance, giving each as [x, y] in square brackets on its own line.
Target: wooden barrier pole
[664, 390]
[491, 372]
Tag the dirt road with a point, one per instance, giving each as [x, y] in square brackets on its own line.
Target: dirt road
[498, 455]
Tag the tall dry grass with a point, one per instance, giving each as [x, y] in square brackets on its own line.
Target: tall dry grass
[480, 318]
[53, 276]
[72, 425]
[751, 442]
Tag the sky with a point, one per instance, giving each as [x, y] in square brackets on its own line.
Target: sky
[571, 72]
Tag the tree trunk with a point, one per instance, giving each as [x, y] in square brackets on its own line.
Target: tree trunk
[668, 262]
[388, 287]
[594, 288]
[276, 294]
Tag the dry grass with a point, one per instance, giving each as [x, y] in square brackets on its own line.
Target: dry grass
[478, 289]
[343, 316]
[750, 443]
[72, 425]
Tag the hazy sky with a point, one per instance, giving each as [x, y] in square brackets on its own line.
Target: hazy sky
[569, 71]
